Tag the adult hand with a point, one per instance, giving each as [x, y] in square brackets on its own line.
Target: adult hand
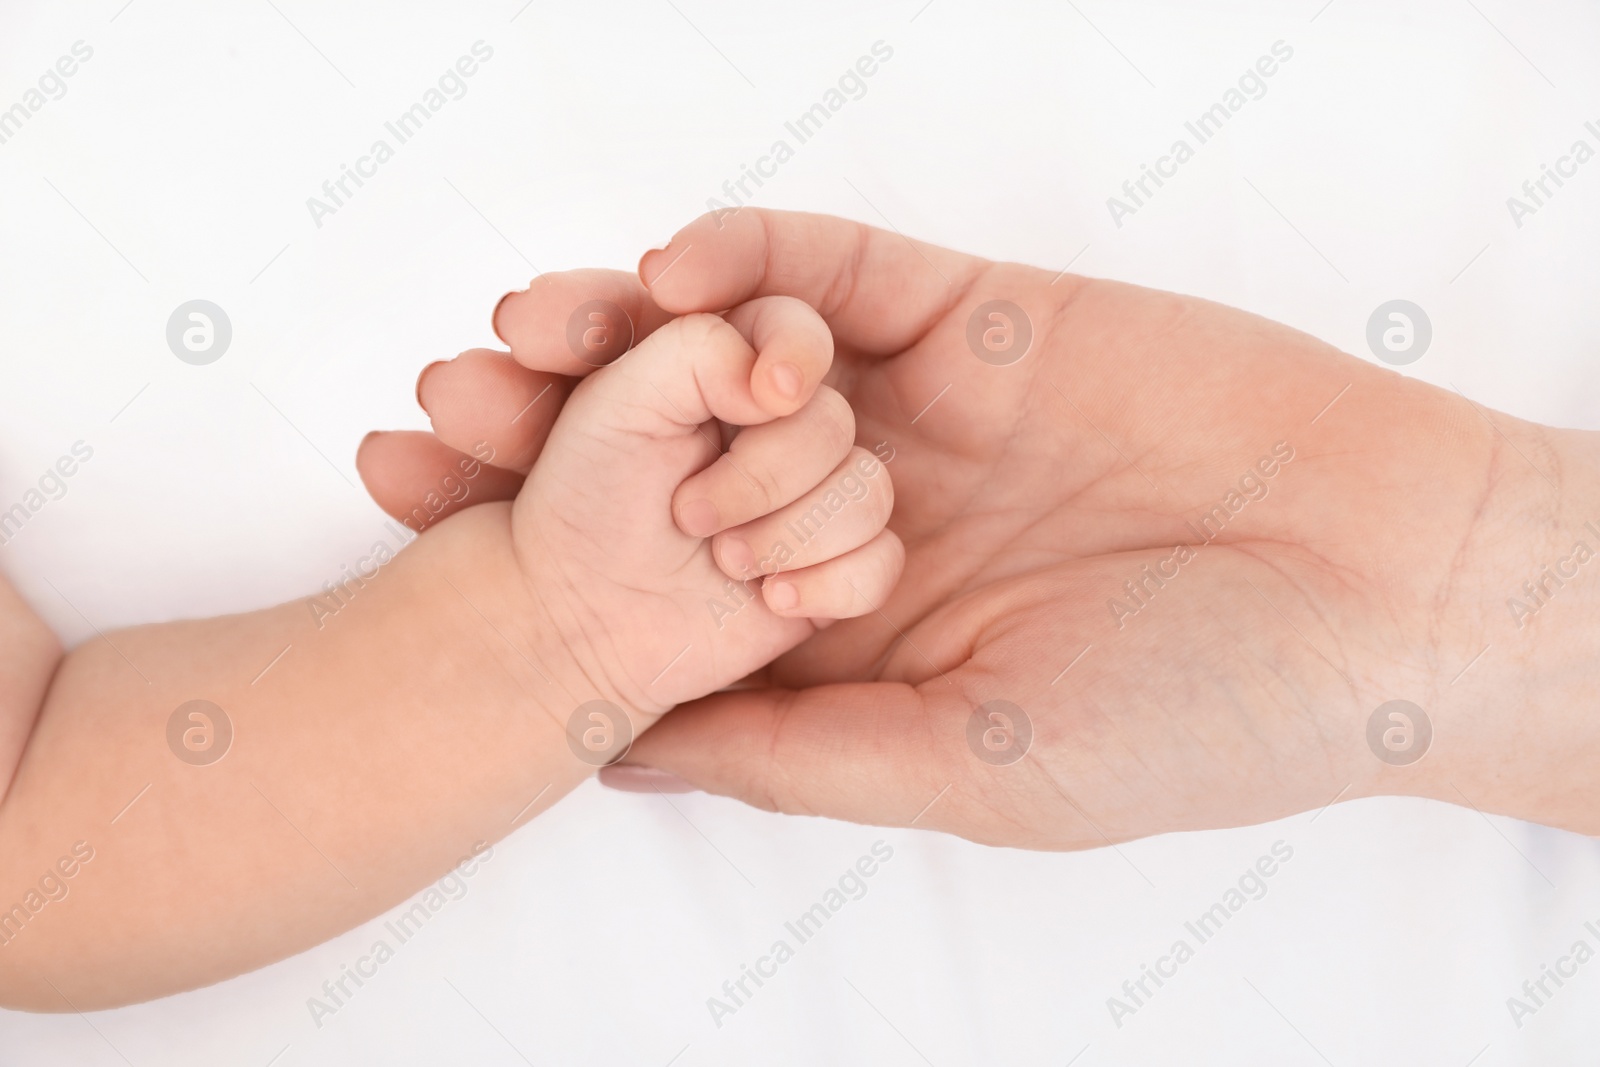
[1166, 561]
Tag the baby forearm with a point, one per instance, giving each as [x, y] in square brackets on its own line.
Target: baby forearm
[29, 656]
[370, 756]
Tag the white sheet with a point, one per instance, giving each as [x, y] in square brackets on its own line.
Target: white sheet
[177, 166]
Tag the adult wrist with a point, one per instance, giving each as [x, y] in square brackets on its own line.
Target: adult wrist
[1518, 731]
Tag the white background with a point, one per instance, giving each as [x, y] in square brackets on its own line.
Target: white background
[1377, 166]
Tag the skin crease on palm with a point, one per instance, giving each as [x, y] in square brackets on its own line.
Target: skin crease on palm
[1378, 566]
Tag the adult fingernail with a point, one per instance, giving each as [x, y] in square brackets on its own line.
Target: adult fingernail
[787, 380]
[650, 261]
[737, 558]
[494, 316]
[699, 518]
[781, 596]
[628, 778]
[422, 380]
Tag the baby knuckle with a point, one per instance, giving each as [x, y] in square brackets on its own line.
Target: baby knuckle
[766, 491]
[865, 468]
[699, 332]
[835, 420]
[889, 561]
[886, 493]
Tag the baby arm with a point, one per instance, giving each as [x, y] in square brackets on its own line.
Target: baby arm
[432, 711]
[363, 764]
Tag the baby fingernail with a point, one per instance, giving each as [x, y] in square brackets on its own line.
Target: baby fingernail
[423, 378]
[627, 778]
[737, 559]
[787, 380]
[699, 518]
[781, 596]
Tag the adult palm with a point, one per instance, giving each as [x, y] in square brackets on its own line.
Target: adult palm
[1165, 559]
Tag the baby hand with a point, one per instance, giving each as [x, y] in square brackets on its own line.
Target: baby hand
[669, 566]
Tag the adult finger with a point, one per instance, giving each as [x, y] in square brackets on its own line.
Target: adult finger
[866, 752]
[419, 480]
[572, 322]
[878, 291]
[485, 403]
